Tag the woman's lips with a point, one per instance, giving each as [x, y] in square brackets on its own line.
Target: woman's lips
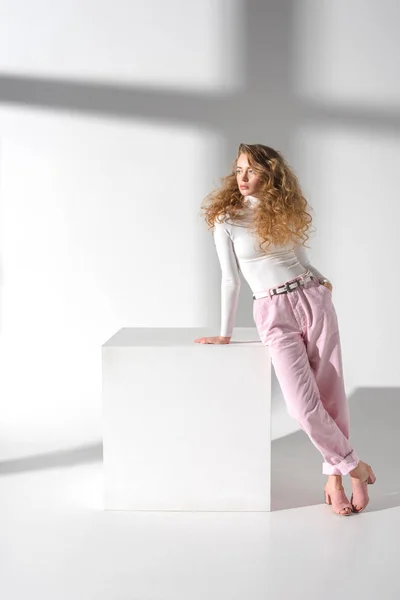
[244, 187]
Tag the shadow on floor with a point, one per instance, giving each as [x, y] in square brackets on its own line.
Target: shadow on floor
[54, 460]
[296, 477]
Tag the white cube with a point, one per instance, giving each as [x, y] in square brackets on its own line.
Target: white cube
[186, 426]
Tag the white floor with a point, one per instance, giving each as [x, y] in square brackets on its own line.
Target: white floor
[58, 543]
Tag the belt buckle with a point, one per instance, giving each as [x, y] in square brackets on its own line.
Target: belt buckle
[289, 289]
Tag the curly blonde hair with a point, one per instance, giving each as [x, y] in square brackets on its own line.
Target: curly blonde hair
[280, 215]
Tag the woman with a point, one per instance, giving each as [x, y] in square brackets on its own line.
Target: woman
[293, 308]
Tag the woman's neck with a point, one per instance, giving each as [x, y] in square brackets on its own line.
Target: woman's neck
[251, 200]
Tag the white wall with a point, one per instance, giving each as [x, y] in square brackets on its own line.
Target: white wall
[116, 118]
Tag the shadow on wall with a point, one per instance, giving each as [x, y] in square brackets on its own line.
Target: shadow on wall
[249, 109]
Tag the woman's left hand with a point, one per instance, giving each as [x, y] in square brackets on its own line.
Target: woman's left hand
[328, 285]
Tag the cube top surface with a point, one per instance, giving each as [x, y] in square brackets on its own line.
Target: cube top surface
[179, 336]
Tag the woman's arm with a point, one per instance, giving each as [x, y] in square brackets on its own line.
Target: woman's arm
[230, 283]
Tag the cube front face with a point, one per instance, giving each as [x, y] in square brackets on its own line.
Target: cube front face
[187, 428]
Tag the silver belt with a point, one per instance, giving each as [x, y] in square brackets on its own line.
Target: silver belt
[286, 287]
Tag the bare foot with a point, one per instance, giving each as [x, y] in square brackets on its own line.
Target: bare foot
[360, 477]
[363, 472]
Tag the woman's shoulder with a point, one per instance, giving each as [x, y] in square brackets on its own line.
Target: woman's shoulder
[221, 222]
[240, 220]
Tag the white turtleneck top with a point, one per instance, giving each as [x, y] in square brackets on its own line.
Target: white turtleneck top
[238, 251]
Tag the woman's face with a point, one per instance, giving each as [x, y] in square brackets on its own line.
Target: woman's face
[248, 182]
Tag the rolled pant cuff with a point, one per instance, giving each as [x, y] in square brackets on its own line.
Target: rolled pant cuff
[344, 467]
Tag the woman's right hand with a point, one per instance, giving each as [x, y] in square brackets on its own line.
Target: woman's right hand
[218, 339]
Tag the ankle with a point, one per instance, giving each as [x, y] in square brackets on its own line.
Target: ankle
[335, 481]
[358, 471]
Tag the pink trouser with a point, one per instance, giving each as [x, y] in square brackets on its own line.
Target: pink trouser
[301, 331]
